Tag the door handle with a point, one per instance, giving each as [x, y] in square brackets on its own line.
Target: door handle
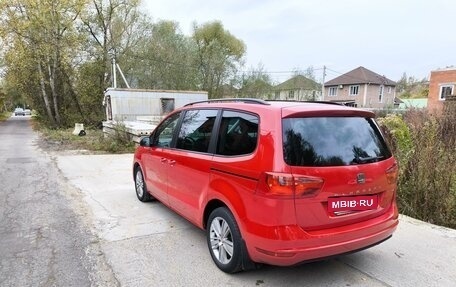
[169, 161]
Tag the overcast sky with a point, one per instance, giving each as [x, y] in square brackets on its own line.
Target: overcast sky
[389, 37]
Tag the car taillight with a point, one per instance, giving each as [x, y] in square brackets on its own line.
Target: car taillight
[286, 185]
[392, 174]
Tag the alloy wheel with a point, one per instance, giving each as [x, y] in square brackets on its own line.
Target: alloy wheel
[139, 182]
[221, 240]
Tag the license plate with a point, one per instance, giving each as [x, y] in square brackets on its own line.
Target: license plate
[352, 203]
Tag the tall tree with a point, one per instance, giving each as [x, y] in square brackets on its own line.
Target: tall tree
[256, 83]
[114, 28]
[165, 59]
[57, 54]
[411, 87]
[219, 55]
[44, 32]
[402, 83]
[19, 88]
[309, 73]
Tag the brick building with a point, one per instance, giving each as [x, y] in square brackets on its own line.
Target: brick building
[442, 87]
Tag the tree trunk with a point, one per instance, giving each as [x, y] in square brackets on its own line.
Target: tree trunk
[52, 82]
[45, 96]
[73, 95]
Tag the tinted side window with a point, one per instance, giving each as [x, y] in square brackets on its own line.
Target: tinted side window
[332, 141]
[164, 133]
[238, 133]
[196, 130]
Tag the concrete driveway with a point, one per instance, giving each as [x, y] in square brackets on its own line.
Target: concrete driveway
[146, 244]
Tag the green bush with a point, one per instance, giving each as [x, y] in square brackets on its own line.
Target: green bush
[397, 134]
[424, 146]
[120, 140]
[4, 116]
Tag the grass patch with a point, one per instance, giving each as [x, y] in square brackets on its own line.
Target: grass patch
[94, 140]
[4, 116]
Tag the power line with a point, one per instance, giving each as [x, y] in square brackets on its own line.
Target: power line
[152, 59]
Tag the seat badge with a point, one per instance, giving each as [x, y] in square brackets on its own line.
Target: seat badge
[360, 178]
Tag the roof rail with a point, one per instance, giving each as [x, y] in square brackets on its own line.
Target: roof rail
[241, 100]
[326, 102]
[313, 102]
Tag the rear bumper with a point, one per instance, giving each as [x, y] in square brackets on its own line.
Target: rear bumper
[292, 245]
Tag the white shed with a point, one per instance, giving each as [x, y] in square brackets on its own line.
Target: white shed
[136, 104]
[139, 111]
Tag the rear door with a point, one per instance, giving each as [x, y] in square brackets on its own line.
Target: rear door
[349, 154]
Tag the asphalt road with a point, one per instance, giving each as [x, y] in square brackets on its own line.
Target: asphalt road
[43, 241]
[74, 220]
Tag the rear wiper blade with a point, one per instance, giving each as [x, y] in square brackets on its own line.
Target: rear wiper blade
[367, 159]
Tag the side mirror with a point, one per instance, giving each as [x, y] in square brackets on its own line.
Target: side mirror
[145, 142]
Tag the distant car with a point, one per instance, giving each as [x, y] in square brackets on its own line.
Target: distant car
[27, 112]
[272, 182]
[19, 112]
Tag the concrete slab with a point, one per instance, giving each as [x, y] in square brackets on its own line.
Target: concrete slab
[106, 182]
[136, 129]
[146, 244]
[420, 254]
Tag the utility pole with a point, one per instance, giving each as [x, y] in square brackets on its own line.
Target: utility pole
[114, 74]
[123, 77]
[115, 68]
[323, 84]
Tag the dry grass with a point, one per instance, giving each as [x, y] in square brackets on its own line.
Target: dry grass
[94, 141]
[425, 146]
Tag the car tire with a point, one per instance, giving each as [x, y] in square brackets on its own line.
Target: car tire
[140, 186]
[225, 242]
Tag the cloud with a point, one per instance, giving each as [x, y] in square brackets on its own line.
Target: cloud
[388, 36]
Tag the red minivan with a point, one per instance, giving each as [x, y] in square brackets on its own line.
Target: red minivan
[274, 182]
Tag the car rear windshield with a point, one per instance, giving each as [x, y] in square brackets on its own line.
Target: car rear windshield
[332, 141]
